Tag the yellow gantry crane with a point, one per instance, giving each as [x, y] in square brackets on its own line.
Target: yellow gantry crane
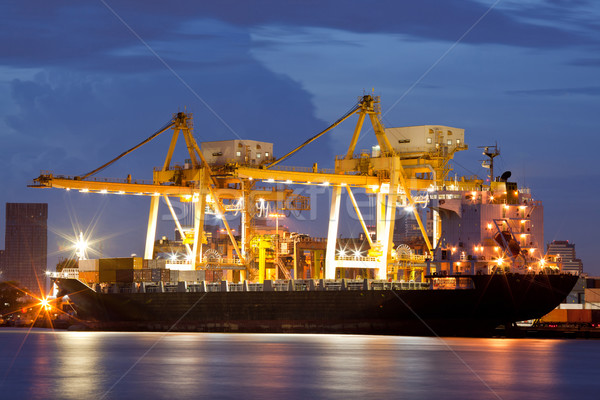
[194, 183]
[391, 176]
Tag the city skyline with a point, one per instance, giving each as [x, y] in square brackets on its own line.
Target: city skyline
[83, 82]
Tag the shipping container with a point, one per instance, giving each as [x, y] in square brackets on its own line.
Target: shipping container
[592, 295]
[156, 264]
[214, 275]
[165, 275]
[107, 275]
[124, 275]
[192, 276]
[120, 263]
[173, 275]
[555, 315]
[89, 276]
[146, 275]
[590, 283]
[88, 265]
[155, 275]
[142, 275]
[137, 275]
[579, 316]
[159, 275]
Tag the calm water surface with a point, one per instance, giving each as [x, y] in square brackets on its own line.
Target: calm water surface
[82, 365]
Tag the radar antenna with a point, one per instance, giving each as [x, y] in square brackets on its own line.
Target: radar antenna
[491, 152]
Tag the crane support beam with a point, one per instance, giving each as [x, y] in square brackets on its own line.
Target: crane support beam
[177, 223]
[355, 135]
[184, 192]
[359, 215]
[313, 178]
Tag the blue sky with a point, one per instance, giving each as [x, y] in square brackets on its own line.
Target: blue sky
[82, 81]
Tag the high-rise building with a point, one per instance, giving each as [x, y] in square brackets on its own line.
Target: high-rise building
[566, 251]
[1, 263]
[26, 245]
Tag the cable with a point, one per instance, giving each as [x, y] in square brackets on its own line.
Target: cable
[465, 168]
[161, 130]
[336, 123]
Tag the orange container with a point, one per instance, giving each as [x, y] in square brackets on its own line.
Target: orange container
[556, 315]
[579, 316]
[89, 276]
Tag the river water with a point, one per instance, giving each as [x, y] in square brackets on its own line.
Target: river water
[43, 364]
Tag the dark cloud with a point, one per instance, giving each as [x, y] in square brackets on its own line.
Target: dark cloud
[87, 35]
[587, 91]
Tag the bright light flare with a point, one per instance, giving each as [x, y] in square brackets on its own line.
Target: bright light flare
[81, 246]
[45, 303]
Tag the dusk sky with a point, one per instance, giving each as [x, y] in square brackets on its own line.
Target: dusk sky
[82, 81]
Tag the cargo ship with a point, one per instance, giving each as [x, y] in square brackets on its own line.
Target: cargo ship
[475, 306]
[441, 255]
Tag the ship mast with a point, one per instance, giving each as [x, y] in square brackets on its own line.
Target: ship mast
[491, 152]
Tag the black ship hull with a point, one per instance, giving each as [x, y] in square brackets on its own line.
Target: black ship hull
[491, 300]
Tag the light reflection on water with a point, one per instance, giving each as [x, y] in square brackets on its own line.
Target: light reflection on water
[77, 365]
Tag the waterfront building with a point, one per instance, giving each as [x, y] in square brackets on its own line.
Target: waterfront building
[26, 245]
[566, 251]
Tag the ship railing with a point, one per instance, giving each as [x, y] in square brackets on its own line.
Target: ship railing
[171, 288]
[255, 287]
[213, 287]
[398, 285]
[352, 258]
[236, 287]
[279, 286]
[356, 285]
[303, 285]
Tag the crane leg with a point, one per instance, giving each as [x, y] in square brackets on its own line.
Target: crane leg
[151, 234]
[334, 219]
